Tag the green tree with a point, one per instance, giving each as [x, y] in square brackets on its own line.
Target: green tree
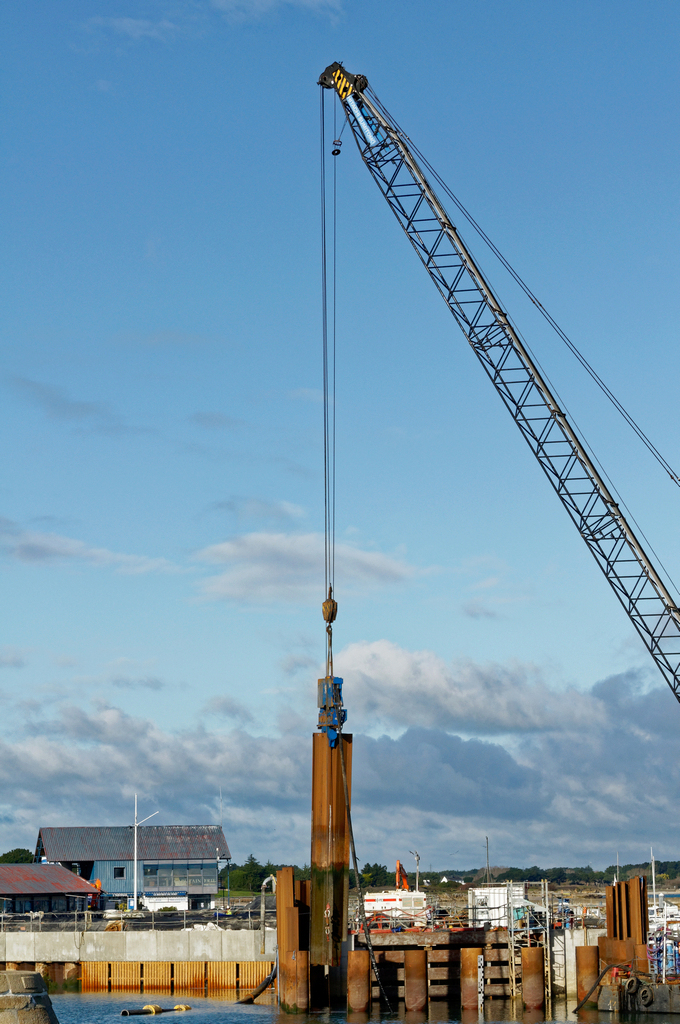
[18, 856]
[374, 876]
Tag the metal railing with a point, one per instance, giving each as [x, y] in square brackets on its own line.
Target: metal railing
[135, 920]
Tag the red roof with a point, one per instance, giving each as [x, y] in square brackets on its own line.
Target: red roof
[41, 880]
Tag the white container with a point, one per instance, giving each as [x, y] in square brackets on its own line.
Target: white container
[489, 905]
[396, 903]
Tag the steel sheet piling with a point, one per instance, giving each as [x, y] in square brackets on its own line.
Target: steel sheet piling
[587, 970]
[469, 999]
[415, 979]
[642, 958]
[330, 850]
[358, 980]
[533, 981]
[302, 981]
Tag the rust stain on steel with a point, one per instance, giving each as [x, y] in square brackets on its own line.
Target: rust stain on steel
[358, 981]
[330, 850]
[626, 904]
[533, 982]
[415, 979]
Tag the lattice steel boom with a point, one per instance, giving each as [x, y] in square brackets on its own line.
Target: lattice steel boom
[560, 452]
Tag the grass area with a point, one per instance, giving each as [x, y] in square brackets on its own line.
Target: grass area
[237, 893]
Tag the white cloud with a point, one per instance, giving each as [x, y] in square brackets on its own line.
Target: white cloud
[143, 683]
[94, 417]
[11, 658]
[576, 792]
[215, 421]
[268, 567]
[137, 28]
[477, 610]
[294, 663]
[51, 548]
[389, 687]
[246, 9]
[227, 707]
[314, 395]
[260, 508]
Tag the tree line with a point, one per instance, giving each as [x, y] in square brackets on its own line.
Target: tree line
[250, 875]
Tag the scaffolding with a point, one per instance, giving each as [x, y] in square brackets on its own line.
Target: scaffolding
[528, 925]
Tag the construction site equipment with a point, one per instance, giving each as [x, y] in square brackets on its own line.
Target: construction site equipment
[401, 877]
[397, 169]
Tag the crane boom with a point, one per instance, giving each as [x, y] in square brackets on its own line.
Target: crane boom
[560, 452]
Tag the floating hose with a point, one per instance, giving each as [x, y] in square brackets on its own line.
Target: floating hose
[600, 976]
[260, 988]
[153, 1008]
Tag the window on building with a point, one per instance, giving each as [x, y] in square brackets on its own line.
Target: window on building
[119, 872]
[196, 874]
[164, 876]
[209, 876]
[179, 874]
[150, 876]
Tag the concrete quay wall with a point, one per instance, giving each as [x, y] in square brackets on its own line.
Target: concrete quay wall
[148, 946]
[563, 943]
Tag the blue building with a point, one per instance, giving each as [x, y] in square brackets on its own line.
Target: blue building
[177, 865]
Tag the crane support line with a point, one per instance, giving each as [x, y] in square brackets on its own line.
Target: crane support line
[544, 425]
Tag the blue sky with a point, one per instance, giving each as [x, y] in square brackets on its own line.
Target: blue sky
[162, 450]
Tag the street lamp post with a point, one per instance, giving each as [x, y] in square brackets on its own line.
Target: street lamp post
[134, 897]
[414, 853]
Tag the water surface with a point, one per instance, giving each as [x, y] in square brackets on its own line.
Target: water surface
[105, 1008]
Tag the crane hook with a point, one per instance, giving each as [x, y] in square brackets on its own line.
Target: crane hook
[337, 143]
[330, 607]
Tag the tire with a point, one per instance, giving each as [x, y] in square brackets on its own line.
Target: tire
[632, 985]
[646, 996]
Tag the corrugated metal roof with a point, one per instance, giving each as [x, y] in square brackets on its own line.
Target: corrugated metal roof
[154, 842]
[41, 880]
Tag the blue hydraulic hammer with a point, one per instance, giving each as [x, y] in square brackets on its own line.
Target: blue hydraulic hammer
[332, 715]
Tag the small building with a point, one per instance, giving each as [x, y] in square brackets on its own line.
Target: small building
[177, 865]
[26, 888]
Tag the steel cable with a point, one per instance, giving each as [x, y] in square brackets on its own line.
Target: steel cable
[324, 328]
[396, 128]
[530, 295]
[329, 394]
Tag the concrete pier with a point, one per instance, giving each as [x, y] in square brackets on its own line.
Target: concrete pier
[167, 946]
[24, 999]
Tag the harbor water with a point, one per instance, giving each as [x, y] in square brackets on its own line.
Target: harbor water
[76, 1008]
